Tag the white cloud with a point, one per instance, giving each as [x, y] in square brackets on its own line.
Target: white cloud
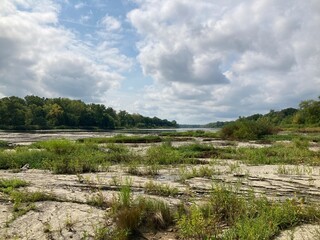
[240, 57]
[79, 5]
[110, 23]
[38, 56]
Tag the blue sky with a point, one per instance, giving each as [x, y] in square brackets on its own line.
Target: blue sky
[190, 61]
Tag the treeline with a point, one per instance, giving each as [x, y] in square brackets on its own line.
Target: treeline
[308, 114]
[257, 126]
[33, 112]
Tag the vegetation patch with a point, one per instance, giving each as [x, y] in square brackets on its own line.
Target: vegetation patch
[4, 144]
[203, 171]
[60, 156]
[164, 155]
[244, 129]
[197, 150]
[195, 133]
[280, 153]
[131, 215]
[124, 139]
[7, 185]
[160, 189]
[242, 218]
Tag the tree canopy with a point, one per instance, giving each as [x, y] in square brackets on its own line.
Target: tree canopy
[33, 112]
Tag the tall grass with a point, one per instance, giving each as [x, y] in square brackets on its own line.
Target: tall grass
[130, 215]
[163, 155]
[60, 156]
[280, 153]
[243, 218]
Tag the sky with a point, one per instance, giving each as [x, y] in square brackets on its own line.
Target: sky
[191, 61]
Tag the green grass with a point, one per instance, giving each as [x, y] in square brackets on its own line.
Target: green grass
[196, 133]
[98, 200]
[203, 171]
[246, 218]
[124, 139]
[163, 155]
[131, 215]
[8, 185]
[160, 189]
[280, 153]
[116, 153]
[4, 144]
[22, 200]
[60, 156]
[293, 136]
[197, 150]
[25, 196]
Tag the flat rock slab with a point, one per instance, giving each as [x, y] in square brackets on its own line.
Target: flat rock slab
[304, 232]
[55, 220]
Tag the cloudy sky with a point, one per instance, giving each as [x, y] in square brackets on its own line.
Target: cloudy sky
[192, 61]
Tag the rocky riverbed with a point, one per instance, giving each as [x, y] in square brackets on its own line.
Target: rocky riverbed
[71, 214]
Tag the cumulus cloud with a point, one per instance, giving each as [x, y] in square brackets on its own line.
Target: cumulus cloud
[228, 58]
[39, 56]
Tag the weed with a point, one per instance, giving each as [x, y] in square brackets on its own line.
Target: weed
[197, 150]
[196, 225]
[124, 139]
[116, 153]
[69, 223]
[98, 200]
[115, 181]
[4, 144]
[160, 189]
[47, 228]
[196, 133]
[60, 156]
[7, 185]
[155, 213]
[280, 153]
[103, 233]
[246, 218]
[295, 170]
[203, 171]
[163, 155]
[152, 170]
[130, 215]
[125, 197]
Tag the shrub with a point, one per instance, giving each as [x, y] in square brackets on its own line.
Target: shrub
[243, 129]
[4, 144]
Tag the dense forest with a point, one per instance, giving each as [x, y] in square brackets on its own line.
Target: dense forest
[308, 114]
[33, 112]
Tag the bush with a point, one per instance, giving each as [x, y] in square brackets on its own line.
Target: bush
[4, 144]
[243, 129]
